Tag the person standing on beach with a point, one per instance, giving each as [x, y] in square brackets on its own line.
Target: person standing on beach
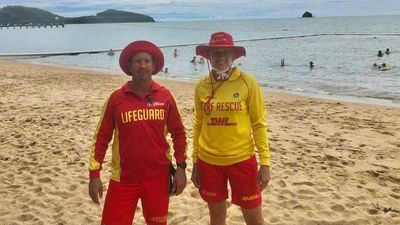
[138, 116]
[230, 116]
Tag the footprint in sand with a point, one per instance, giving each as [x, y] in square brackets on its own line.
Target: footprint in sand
[324, 167]
[44, 180]
[338, 207]
[56, 216]
[305, 192]
[58, 209]
[282, 183]
[274, 219]
[57, 169]
[178, 220]
[24, 168]
[194, 194]
[373, 211]
[304, 183]
[89, 220]
[286, 193]
[335, 164]
[14, 186]
[372, 173]
[24, 217]
[37, 189]
[72, 187]
[301, 206]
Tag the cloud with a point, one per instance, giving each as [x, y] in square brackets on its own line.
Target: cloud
[217, 9]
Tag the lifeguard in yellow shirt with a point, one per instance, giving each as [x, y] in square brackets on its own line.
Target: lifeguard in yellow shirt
[229, 123]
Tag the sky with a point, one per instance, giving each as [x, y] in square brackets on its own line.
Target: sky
[167, 10]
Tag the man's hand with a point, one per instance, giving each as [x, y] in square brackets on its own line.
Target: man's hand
[195, 176]
[263, 177]
[96, 189]
[179, 181]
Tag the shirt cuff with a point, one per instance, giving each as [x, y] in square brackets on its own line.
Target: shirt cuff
[264, 162]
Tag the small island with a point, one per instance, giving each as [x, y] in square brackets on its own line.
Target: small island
[23, 16]
[307, 14]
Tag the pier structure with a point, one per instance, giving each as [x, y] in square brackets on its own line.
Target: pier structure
[31, 25]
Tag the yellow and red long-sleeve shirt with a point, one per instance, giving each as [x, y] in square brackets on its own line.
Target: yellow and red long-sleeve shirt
[235, 124]
[139, 125]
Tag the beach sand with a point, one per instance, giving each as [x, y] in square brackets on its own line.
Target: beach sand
[332, 162]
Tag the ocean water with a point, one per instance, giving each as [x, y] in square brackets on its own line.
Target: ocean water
[343, 50]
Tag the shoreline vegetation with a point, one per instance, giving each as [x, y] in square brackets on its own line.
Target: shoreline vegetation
[20, 16]
[332, 162]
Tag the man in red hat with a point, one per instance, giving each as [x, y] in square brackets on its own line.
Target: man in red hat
[230, 116]
[137, 117]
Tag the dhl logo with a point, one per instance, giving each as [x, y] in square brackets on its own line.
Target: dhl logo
[220, 121]
[159, 219]
[207, 193]
[250, 198]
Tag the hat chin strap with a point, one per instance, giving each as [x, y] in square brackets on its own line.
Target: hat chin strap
[223, 74]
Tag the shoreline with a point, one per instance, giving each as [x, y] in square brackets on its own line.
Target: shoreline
[350, 99]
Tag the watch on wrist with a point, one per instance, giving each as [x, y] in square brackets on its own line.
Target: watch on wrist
[181, 165]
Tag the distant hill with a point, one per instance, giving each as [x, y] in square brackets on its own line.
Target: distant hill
[27, 15]
[111, 16]
[24, 15]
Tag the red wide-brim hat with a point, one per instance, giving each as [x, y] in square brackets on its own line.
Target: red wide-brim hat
[220, 40]
[141, 46]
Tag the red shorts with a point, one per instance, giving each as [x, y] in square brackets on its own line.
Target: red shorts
[242, 178]
[121, 201]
